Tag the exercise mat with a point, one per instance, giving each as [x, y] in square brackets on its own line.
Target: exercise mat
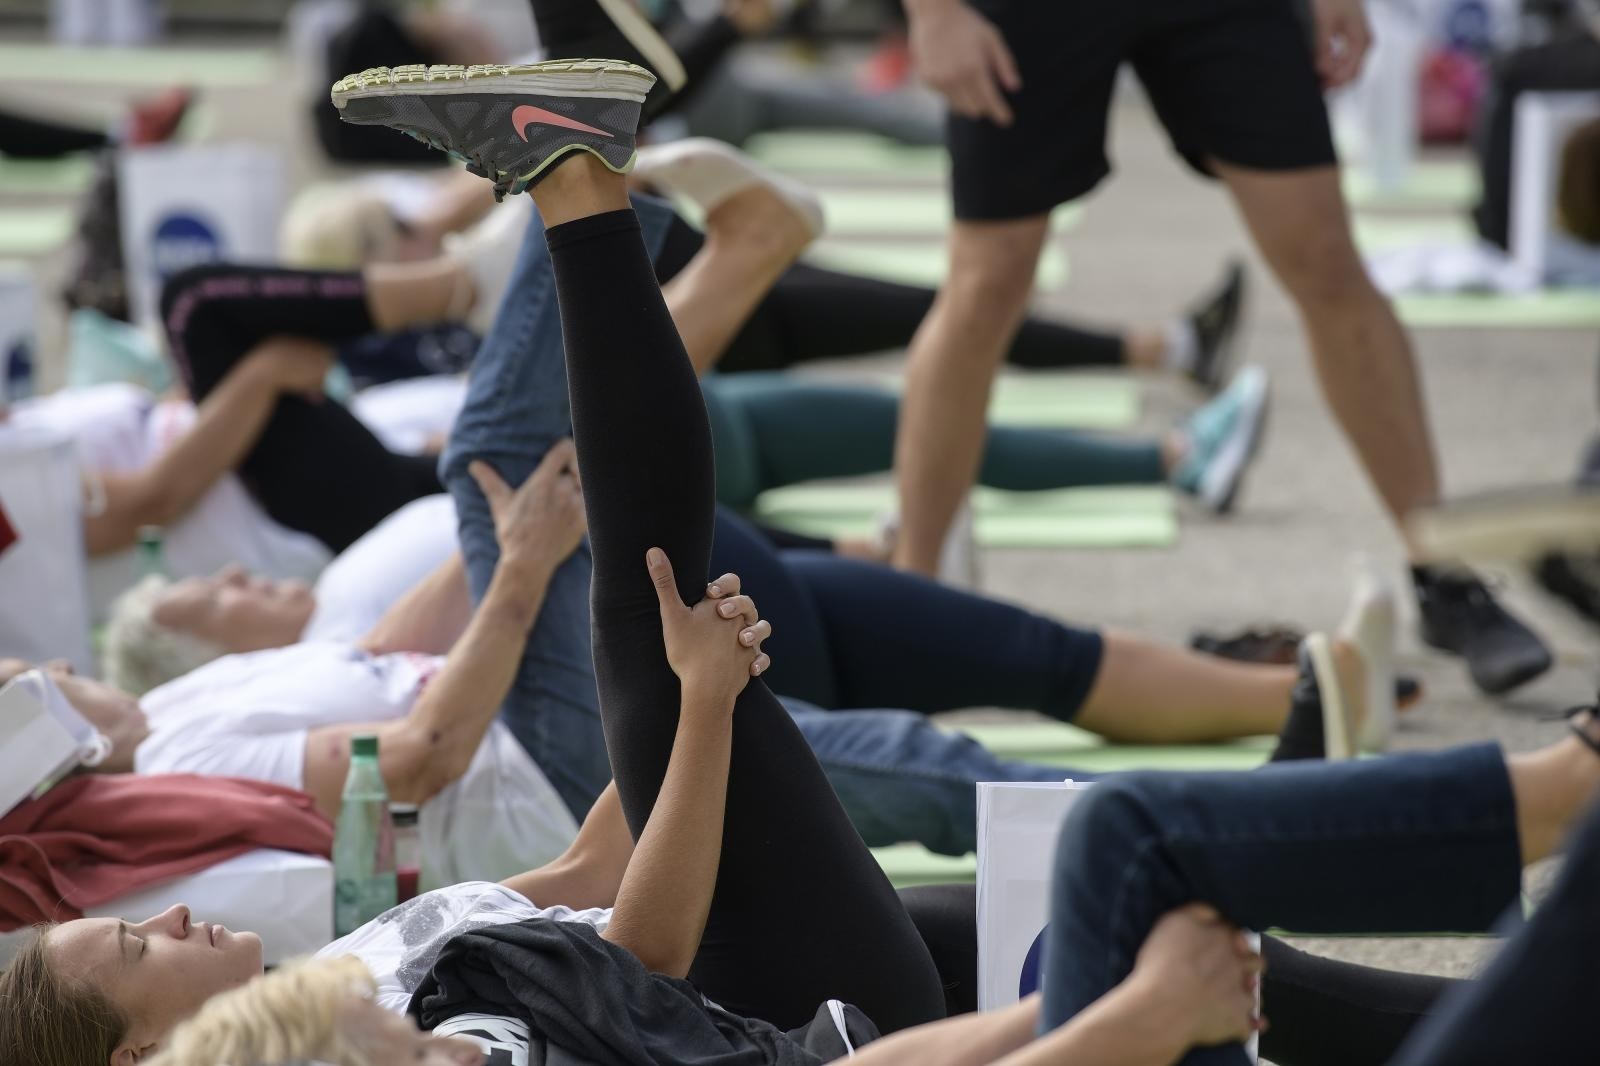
[913, 262]
[846, 154]
[199, 67]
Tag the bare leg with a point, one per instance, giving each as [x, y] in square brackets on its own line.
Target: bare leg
[400, 295]
[1145, 349]
[751, 239]
[1554, 786]
[949, 371]
[1363, 356]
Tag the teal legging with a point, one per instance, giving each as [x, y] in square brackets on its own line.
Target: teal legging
[775, 429]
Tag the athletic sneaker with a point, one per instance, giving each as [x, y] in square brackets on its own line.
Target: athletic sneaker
[1574, 579]
[1224, 436]
[1370, 626]
[1280, 646]
[571, 29]
[1216, 329]
[1460, 615]
[510, 124]
[1319, 725]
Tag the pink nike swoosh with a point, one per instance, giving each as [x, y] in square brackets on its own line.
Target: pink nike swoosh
[525, 115]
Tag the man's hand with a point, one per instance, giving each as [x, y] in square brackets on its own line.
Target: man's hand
[1344, 36]
[542, 521]
[962, 56]
[295, 366]
[715, 646]
[1205, 971]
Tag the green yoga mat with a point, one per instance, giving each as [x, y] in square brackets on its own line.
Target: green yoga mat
[1548, 309]
[1059, 744]
[1380, 233]
[1064, 401]
[916, 262]
[205, 67]
[44, 177]
[33, 231]
[1142, 517]
[858, 210]
[841, 154]
[1431, 183]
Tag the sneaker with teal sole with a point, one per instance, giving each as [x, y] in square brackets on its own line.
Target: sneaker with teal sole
[1224, 437]
[510, 124]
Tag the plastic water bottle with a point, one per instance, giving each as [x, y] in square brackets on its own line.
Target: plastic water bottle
[363, 843]
[407, 848]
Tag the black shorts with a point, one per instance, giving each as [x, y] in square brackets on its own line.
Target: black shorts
[1232, 80]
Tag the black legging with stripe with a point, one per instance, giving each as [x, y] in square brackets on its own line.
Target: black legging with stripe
[315, 468]
[802, 912]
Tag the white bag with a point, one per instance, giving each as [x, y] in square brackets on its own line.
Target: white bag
[186, 205]
[42, 738]
[1018, 824]
[44, 598]
[19, 334]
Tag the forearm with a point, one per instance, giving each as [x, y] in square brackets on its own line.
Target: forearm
[589, 873]
[966, 1040]
[227, 426]
[449, 721]
[429, 618]
[666, 891]
[1128, 1026]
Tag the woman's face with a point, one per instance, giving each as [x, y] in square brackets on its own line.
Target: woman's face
[158, 971]
[237, 611]
[389, 1037]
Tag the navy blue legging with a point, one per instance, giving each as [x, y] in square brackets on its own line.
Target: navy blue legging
[851, 634]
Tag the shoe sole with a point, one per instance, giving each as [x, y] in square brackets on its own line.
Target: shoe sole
[1370, 625]
[633, 25]
[1225, 476]
[611, 79]
[1515, 525]
[1336, 745]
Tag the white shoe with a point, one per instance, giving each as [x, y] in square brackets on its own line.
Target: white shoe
[707, 172]
[1370, 625]
[1337, 727]
[489, 251]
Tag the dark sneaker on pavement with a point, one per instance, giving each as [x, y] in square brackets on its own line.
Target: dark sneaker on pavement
[510, 124]
[1216, 330]
[1461, 615]
[1574, 579]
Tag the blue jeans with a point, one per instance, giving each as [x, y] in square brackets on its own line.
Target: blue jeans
[900, 778]
[1404, 844]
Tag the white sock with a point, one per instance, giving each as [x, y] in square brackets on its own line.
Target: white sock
[1183, 346]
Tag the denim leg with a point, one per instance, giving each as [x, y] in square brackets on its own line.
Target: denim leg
[1533, 1003]
[516, 408]
[1409, 843]
[901, 779]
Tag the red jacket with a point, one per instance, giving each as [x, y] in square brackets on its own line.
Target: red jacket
[97, 837]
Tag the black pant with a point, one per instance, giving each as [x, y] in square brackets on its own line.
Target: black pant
[1573, 63]
[1323, 1012]
[315, 467]
[375, 37]
[22, 137]
[815, 313]
[802, 912]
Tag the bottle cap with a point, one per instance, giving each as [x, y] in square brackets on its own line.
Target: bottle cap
[366, 744]
[403, 814]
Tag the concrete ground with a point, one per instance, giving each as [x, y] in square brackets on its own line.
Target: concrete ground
[1508, 406]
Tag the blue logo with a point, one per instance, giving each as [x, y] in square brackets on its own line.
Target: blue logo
[1032, 964]
[181, 241]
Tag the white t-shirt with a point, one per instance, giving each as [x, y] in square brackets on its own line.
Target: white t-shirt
[371, 575]
[249, 716]
[407, 415]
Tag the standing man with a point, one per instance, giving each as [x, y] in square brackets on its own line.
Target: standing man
[1238, 85]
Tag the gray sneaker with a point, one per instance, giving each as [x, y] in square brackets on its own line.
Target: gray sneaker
[509, 124]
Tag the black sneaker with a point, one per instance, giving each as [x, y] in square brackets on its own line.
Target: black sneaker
[510, 124]
[1574, 580]
[1460, 615]
[1216, 328]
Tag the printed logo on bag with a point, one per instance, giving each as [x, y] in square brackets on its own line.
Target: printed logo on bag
[1032, 965]
[181, 241]
[8, 532]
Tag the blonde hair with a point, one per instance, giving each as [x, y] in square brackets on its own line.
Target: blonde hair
[139, 652]
[50, 1019]
[293, 1014]
[339, 226]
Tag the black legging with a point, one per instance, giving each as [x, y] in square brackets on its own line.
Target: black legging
[814, 313]
[315, 467]
[22, 137]
[802, 912]
[1323, 1012]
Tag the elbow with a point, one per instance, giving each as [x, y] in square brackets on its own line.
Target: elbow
[664, 958]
